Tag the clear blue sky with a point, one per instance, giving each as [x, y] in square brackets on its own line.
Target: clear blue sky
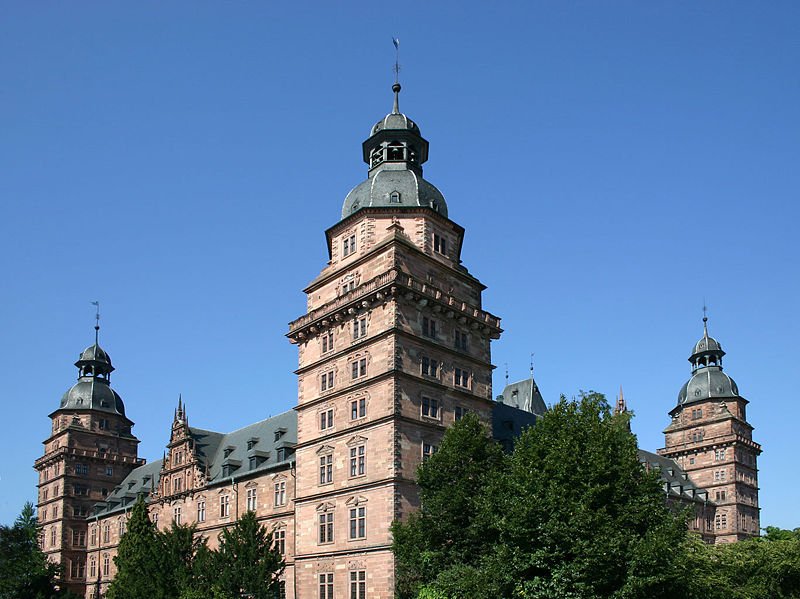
[613, 163]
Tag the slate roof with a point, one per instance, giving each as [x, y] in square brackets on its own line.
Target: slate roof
[212, 448]
[676, 482]
[524, 395]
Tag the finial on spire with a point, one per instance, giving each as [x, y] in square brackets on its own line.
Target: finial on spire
[705, 319]
[96, 322]
[396, 87]
[532, 354]
[396, 42]
[506, 374]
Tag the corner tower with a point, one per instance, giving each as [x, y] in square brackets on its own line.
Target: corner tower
[710, 438]
[394, 347]
[89, 451]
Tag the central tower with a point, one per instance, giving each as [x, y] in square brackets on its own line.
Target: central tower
[394, 347]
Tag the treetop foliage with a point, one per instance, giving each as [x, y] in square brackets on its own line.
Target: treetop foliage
[569, 514]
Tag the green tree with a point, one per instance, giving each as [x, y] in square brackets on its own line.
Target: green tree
[580, 515]
[447, 532]
[571, 514]
[140, 569]
[246, 564]
[24, 569]
[181, 570]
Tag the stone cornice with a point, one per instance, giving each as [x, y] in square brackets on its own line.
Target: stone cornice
[393, 283]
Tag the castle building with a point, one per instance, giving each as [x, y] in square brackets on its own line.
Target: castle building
[90, 450]
[710, 438]
[393, 348]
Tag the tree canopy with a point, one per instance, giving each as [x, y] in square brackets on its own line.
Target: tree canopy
[24, 569]
[178, 563]
[570, 513]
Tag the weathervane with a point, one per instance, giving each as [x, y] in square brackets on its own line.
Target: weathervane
[96, 321]
[396, 42]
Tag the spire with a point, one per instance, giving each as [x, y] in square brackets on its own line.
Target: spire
[621, 406]
[396, 107]
[705, 321]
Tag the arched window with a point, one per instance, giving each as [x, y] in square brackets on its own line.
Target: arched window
[394, 197]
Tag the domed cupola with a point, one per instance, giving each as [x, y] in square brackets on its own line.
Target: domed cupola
[708, 380]
[395, 152]
[93, 390]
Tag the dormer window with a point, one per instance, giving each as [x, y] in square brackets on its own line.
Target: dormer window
[228, 451]
[251, 443]
[394, 197]
[279, 433]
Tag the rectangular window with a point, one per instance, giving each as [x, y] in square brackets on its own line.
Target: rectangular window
[109, 470]
[358, 460]
[349, 286]
[102, 424]
[697, 413]
[359, 368]
[326, 585]
[348, 246]
[106, 564]
[358, 584]
[428, 450]
[461, 378]
[77, 569]
[719, 475]
[326, 381]
[93, 536]
[279, 536]
[280, 493]
[224, 506]
[53, 537]
[721, 495]
[106, 533]
[358, 408]
[358, 522]
[252, 500]
[460, 412]
[430, 367]
[326, 527]
[81, 469]
[721, 521]
[55, 511]
[92, 567]
[176, 514]
[429, 327]
[327, 342]
[326, 469]
[326, 419]
[461, 340]
[78, 538]
[430, 407]
[360, 327]
[201, 511]
[439, 244]
[719, 455]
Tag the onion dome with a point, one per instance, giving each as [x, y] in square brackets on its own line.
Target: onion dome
[395, 152]
[708, 380]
